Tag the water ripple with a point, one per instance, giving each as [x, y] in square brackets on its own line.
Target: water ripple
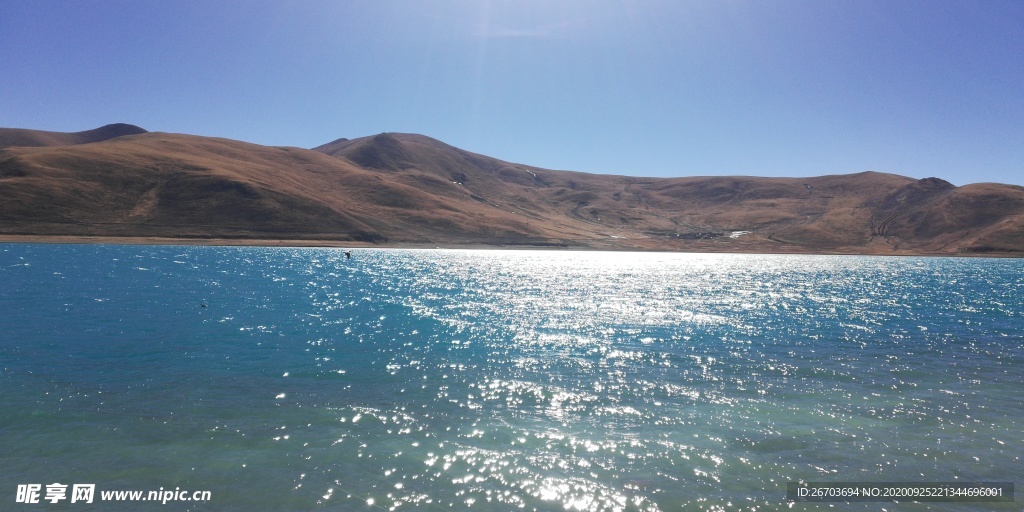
[508, 380]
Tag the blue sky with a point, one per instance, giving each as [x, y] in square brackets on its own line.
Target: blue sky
[645, 88]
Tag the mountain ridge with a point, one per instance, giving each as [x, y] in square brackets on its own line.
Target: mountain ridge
[10, 137]
[396, 188]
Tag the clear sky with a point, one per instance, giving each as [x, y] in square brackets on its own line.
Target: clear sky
[645, 88]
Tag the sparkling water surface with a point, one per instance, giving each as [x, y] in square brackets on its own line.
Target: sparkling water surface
[297, 379]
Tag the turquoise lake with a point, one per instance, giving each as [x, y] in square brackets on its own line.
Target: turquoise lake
[297, 379]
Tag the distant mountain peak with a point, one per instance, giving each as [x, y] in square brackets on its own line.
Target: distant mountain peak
[38, 138]
[125, 128]
[113, 130]
[383, 152]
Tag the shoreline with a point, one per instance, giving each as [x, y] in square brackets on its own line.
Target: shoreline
[309, 243]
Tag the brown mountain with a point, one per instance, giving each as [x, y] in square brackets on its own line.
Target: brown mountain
[411, 189]
[37, 138]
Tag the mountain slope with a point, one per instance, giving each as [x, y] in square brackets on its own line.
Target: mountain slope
[37, 138]
[860, 213]
[405, 188]
[158, 184]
